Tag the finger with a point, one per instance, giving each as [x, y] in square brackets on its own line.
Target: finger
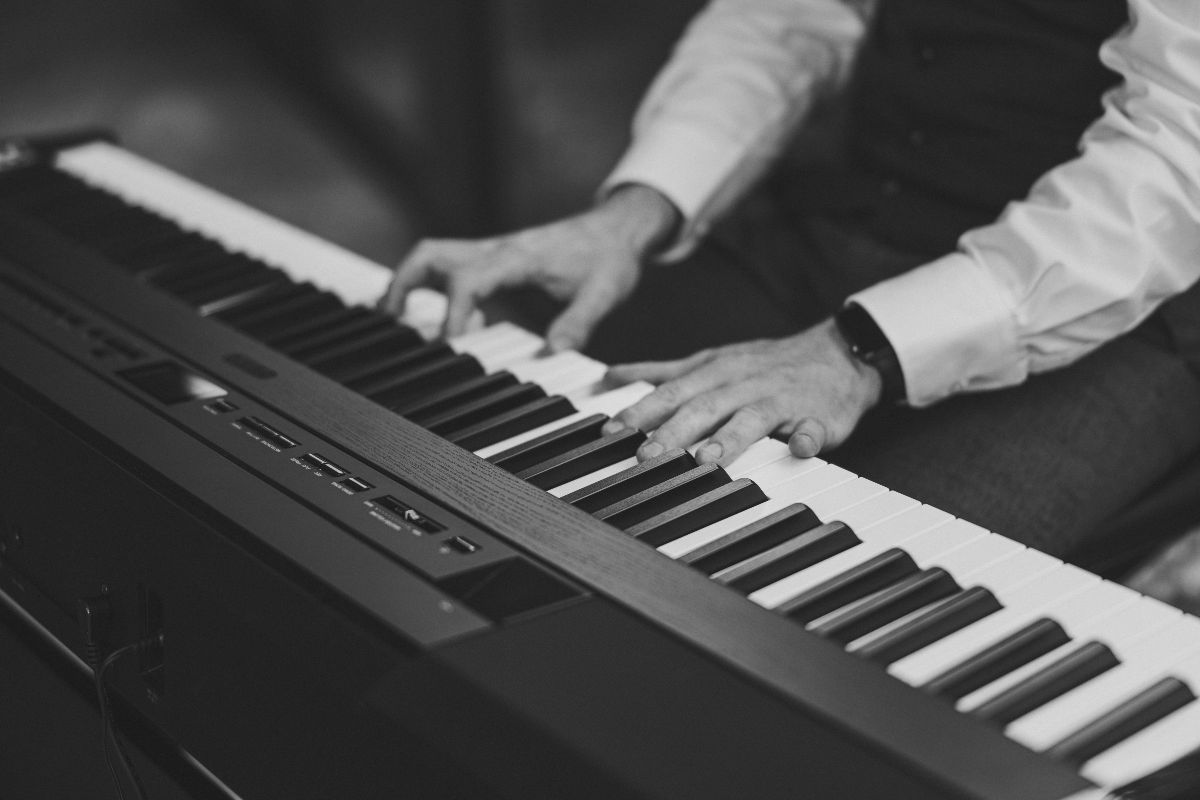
[656, 407]
[747, 425]
[572, 328]
[694, 420]
[657, 372]
[808, 439]
[463, 294]
[413, 271]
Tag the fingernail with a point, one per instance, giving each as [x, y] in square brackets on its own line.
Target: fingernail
[611, 427]
[558, 344]
[650, 450]
[710, 453]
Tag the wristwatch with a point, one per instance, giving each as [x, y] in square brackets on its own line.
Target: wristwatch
[869, 345]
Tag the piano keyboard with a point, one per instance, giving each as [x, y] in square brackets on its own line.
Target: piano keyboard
[1081, 669]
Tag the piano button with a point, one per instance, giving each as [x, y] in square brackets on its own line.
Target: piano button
[584, 459]
[713, 505]
[1157, 656]
[1017, 648]
[346, 359]
[538, 412]
[570, 487]
[420, 381]
[1065, 673]
[334, 335]
[480, 409]
[550, 444]
[455, 395]
[626, 513]
[935, 622]
[886, 605]
[370, 365]
[783, 525]
[1123, 720]
[1150, 749]
[620, 487]
[837, 499]
[685, 545]
[860, 580]
[607, 403]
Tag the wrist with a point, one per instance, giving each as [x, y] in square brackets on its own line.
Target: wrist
[642, 217]
[868, 346]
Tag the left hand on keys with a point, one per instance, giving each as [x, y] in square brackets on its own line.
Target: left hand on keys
[807, 387]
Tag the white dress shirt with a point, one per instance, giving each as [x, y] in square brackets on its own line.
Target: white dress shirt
[1095, 247]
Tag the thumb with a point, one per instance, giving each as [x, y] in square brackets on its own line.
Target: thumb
[572, 328]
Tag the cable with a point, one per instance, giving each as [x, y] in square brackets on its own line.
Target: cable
[108, 734]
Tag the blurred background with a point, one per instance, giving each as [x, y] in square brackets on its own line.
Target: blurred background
[369, 123]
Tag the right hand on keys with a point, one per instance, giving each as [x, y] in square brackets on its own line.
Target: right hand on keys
[590, 261]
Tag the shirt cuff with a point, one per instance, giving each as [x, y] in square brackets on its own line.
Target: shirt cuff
[950, 329]
[688, 167]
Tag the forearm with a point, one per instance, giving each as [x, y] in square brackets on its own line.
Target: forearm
[1098, 244]
[738, 84]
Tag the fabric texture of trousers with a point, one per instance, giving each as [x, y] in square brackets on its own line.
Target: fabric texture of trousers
[1046, 463]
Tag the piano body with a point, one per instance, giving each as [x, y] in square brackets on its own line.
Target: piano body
[199, 424]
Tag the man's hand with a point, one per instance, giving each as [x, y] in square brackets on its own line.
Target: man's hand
[592, 261]
[807, 387]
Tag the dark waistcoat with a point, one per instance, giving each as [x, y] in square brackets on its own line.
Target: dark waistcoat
[957, 106]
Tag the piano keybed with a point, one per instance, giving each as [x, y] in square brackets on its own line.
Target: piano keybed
[1082, 669]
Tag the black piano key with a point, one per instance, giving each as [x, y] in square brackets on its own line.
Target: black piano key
[527, 417]
[1122, 721]
[626, 513]
[792, 555]
[551, 444]
[250, 292]
[235, 284]
[418, 381]
[190, 260]
[326, 320]
[712, 506]
[181, 282]
[156, 238]
[860, 580]
[940, 620]
[336, 338]
[760, 535]
[584, 459]
[367, 368]
[350, 354]
[615, 488]
[454, 395]
[1021, 647]
[481, 409]
[1073, 669]
[887, 605]
[299, 299]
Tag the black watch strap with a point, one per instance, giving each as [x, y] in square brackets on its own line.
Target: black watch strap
[869, 345]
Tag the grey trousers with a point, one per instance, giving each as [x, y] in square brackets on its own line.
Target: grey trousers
[1047, 463]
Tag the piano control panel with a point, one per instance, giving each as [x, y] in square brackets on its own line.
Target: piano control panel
[454, 555]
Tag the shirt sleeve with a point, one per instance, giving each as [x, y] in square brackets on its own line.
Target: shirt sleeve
[1098, 244]
[739, 82]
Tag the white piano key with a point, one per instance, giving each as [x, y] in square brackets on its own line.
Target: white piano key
[1153, 748]
[836, 499]
[1153, 658]
[759, 454]
[991, 548]
[1009, 574]
[1053, 587]
[940, 541]
[778, 471]
[805, 480]
[305, 257]
[876, 510]
[686, 544]
[542, 370]
[492, 337]
[592, 477]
